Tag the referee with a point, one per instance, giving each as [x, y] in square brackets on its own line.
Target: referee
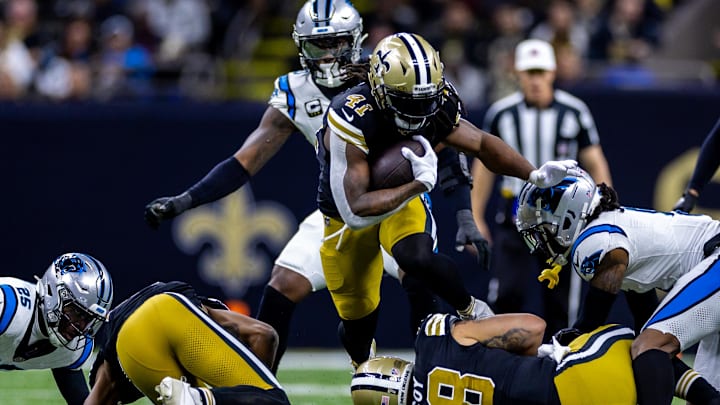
[543, 124]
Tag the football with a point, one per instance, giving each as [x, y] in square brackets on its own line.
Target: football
[389, 168]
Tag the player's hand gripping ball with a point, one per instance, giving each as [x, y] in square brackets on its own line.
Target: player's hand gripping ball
[389, 168]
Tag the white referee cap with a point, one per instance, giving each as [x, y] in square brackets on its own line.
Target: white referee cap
[534, 54]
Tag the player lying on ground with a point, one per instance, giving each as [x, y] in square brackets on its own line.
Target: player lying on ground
[499, 361]
[166, 340]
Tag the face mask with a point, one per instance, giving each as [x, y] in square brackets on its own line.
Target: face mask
[329, 74]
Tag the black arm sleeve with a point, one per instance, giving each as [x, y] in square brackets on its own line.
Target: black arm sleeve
[708, 160]
[71, 384]
[595, 309]
[642, 306]
[228, 176]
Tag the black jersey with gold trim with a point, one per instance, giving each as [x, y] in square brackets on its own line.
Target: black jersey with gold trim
[356, 118]
[476, 374]
[107, 337]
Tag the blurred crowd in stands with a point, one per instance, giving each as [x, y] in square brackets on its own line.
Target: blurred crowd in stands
[56, 50]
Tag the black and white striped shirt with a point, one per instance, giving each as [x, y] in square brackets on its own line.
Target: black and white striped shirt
[557, 132]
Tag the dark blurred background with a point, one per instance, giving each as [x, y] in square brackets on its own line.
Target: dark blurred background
[108, 104]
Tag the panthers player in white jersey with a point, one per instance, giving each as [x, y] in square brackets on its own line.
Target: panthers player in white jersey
[328, 34]
[51, 324]
[636, 250]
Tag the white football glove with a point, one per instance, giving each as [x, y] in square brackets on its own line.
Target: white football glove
[554, 350]
[424, 167]
[552, 173]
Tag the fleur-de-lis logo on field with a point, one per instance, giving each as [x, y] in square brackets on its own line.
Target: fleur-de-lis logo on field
[234, 228]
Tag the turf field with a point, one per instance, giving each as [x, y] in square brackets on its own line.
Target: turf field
[309, 377]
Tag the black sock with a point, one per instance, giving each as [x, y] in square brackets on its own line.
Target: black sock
[277, 310]
[654, 377]
[692, 386]
[422, 302]
[356, 335]
[415, 256]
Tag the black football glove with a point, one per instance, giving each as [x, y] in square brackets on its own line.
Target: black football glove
[566, 335]
[468, 234]
[686, 203]
[164, 208]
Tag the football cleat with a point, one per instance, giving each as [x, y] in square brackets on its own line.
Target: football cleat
[177, 392]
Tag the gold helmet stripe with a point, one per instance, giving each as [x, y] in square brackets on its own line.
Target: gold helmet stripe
[421, 61]
[347, 132]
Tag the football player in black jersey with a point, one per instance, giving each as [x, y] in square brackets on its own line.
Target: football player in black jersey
[407, 96]
[165, 340]
[499, 361]
[328, 35]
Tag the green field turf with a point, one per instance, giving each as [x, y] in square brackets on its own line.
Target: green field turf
[309, 377]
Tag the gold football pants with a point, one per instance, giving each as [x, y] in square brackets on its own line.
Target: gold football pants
[598, 370]
[169, 336]
[352, 260]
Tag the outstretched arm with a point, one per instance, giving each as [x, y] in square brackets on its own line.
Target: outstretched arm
[230, 174]
[494, 153]
[500, 158]
[707, 164]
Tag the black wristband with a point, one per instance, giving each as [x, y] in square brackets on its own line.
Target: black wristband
[595, 309]
[228, 176]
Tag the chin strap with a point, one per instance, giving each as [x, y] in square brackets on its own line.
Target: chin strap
[552, 275]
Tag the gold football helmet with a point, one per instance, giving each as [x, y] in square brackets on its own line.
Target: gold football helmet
[406, 77]
[382, 380]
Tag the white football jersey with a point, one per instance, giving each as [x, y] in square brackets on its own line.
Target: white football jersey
[661, 246]
[298, 97]
[18, 300]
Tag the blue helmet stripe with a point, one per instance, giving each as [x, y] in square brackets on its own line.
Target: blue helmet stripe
[284, 85]
[10, 307]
